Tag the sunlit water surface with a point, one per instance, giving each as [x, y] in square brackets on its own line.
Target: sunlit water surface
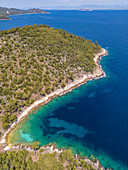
[93, 119]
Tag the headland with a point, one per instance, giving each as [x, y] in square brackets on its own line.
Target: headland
[6, 12]
[98, 73]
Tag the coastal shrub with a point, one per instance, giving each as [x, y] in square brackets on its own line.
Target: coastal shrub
[66, 155]
[49, 162]
[35, 145]
[41, 150]
[7, 120]
[24, 160]
[12, 118]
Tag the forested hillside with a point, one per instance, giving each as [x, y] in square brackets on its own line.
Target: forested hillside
[37, 60]
[24, 160]
[5, 12]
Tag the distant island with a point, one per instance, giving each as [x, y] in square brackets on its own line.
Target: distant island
[6, 12]
[84, 9]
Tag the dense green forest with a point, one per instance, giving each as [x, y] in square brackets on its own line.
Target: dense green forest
[24, 160]
[37, 60]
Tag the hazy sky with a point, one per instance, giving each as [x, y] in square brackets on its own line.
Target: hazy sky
[52, 3]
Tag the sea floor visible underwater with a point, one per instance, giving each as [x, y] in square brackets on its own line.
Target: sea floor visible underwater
[92, 119]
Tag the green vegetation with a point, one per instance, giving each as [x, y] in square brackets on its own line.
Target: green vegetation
[35, 146]
[37, 60]
[7, 120]
[67, 155]
[5, 12]
[23, 160]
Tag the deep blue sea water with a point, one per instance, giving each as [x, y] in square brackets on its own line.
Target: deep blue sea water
[93, 119]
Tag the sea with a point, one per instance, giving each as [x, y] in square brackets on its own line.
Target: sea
[92, 119]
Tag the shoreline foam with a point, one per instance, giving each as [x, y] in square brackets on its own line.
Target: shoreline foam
[98, 73]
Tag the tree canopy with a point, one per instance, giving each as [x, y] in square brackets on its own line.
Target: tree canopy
[24, 160]
[37, 60]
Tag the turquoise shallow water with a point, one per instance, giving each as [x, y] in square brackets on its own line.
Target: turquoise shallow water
[44, 126]
[92, 119]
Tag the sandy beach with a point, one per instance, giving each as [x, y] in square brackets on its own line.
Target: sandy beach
[98, 73]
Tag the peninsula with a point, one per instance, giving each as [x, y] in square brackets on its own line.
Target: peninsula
[6, 12]
[38, 63]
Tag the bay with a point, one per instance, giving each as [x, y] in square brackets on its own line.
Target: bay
[93, 119]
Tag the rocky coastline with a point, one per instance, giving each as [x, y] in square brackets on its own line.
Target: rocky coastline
[51, 149]
[98, 73]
